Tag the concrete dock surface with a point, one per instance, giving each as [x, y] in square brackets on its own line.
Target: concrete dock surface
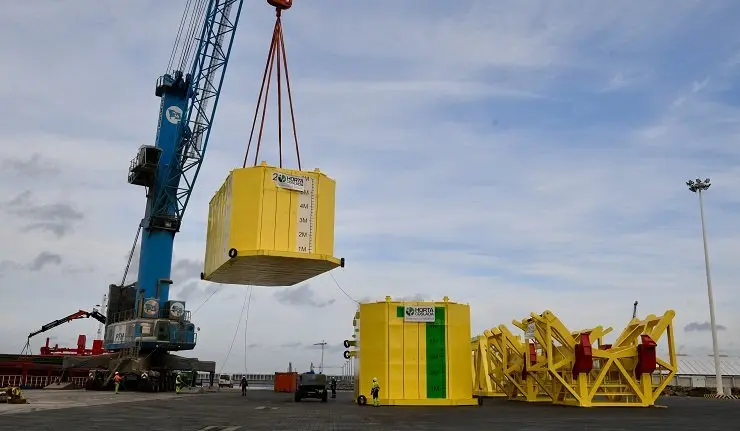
[227, 410]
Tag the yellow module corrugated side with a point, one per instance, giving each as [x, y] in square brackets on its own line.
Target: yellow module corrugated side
[420, 356]
[269, 226]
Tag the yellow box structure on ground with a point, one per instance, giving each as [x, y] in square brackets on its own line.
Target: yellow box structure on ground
[271, 227]
[419, 351]
[553, 364]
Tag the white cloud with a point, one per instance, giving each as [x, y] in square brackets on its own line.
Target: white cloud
[514, 155]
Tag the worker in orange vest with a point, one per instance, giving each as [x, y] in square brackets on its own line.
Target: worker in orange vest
[117, 380]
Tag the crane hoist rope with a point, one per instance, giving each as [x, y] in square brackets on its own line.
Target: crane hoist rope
[191, 24]
[277, 59]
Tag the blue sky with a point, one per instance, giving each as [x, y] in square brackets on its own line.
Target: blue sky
[516, 155]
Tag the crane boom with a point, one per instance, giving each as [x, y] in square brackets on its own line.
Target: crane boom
[74, 316]
[142, 314]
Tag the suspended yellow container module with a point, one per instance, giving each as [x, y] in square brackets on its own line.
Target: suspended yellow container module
[419, 351]
[269, 226]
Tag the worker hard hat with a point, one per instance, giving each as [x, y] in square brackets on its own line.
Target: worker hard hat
[375, 379]
[116, 372]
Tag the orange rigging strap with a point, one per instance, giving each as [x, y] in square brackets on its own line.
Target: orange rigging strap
[275, 57]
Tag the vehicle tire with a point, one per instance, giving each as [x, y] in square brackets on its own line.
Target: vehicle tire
[324, 396]
[346, 344]
[480, 401]
[347, 355]
[361, 400]
[233, 253]
[297, 397]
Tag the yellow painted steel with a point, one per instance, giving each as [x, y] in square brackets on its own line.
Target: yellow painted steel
[388, 346]
[488, 376]
[528, 369]
[540, 366]
[271, 227]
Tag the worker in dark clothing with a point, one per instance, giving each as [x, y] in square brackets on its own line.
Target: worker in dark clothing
[333, 386]
[244, 385]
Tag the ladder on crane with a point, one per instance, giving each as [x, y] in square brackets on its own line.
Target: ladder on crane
[126, 355]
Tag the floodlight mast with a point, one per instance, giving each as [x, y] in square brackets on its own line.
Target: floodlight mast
[698, 186]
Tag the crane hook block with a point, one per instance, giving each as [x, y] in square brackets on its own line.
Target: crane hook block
[280, 4]
[270, 226]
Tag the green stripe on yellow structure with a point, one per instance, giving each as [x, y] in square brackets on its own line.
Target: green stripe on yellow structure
[436, 356]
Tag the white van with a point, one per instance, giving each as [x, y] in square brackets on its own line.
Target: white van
[224, 381]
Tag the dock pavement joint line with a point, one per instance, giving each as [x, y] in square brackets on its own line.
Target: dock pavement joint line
[44, 405]
[214, 428]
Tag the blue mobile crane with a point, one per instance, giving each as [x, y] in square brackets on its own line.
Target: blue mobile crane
[142, 323]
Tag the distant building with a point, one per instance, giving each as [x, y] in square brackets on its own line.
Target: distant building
[698, 372]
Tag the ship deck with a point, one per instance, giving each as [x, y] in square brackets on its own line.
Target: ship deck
[227, 410]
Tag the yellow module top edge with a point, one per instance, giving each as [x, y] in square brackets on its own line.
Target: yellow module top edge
[389, 299]
[220, 188]
[264, 164]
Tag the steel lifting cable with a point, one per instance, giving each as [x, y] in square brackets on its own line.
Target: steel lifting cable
[179, 35]
[190, 26]
[131, 256]
[276, 58]
[245, 306]
[246, 328]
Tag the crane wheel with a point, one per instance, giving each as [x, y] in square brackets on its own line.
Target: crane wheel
[346, 344]
[232, 253]
[347, 355]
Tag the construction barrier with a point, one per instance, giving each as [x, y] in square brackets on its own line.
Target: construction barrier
[553, 364]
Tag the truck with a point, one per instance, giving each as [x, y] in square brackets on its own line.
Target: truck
[311, 385]
[224, 381]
